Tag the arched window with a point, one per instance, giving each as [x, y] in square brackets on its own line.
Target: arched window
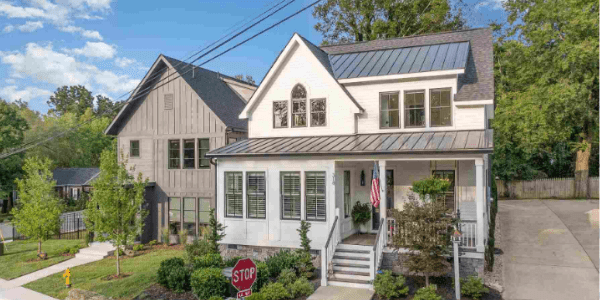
[298, 106]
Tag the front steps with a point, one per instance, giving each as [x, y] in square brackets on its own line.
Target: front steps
[351, 266]
[96, 250]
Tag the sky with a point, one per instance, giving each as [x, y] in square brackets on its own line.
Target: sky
[109, 45]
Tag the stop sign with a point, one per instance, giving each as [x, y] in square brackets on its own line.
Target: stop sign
[243, 274]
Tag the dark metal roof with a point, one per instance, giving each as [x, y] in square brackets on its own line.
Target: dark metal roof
[74, 176]
[447, 56]
[376, 143]
[477, 83]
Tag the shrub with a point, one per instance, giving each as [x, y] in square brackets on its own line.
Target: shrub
[120, 250]
[211, 260]
[197, 248]
[431, 186]
[361, 214]
[65, 250]
[255, 296]
[427, 293]
[209, 282]
[305, 265]
[230, 262]
[138, 247]
[301, 287]
[165, 268]
[74, 249]
[183, 235]
[87, 239]
[165, 236]
[274, 291]
[473, 287]
[287, 277]
[388, 286]
[216, 298]
[283, 259]
[216, 233]
[178, 279]
[262, 276]
[152, 242]
[303, 231]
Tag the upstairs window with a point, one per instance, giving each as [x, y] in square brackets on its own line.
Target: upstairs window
[174, 154]
[174, 215]
[188, 154]
[317, 112]
[256, 195]
[234, 197]
[389, 116]
[298, 106]
[290, 195]
[280, 114]
[203, 148]
[414, 109]
[440, 109]
[315, 196]
[134, 149]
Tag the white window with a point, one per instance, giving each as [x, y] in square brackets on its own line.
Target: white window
[439, 107]
[290, 195]
[234, 194]
[318, 116]
[298, 106]
[315, 196]
[414, 109]
[256, 200]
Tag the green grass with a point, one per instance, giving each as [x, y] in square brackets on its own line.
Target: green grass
[142, 268]
[14, 261]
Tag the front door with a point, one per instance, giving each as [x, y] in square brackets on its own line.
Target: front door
[389, 176]
[449, 175]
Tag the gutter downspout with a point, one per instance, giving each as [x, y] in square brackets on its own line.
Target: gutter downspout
[213, 161]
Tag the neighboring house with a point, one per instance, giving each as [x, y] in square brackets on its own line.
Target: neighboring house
[177, 114]
[323, 116]
[73, 182]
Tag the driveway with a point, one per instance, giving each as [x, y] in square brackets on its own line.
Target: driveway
[550, 249]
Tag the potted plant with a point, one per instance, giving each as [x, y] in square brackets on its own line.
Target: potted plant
[361, 214]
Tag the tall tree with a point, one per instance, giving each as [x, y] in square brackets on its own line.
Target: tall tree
[37, 215]
[248, 78]
[115, 208]
[12, 134]
[342, 21]
[547, 70]
[77, 99]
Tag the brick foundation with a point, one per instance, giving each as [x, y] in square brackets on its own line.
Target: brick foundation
[259, 253]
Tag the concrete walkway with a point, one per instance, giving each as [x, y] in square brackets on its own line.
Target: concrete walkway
[341, 293]
[551, 249]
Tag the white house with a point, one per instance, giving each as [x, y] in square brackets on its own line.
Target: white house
[417, 106]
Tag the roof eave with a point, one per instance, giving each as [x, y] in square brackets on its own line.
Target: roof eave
[343, 153]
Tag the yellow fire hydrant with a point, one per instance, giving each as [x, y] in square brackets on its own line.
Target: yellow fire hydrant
[67, 276]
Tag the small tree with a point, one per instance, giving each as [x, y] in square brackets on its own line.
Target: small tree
[115, 209]
[37, 214]
[426, 229]
[216, 232]
[303, 231]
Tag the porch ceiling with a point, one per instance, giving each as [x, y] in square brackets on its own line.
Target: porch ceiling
[465, 141]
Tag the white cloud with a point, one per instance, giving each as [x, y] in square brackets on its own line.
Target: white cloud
[123, 62]
[29, 26]
[89, 17]
[90, 34]
[11, 11]
[491, 4]
[8, 28]
[12, 93]
[90, 4]
[94, 49]
[44, 64]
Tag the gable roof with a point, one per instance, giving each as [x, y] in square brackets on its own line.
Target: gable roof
[477, 82]
[207, 84]
[321, 56]
[74, 176]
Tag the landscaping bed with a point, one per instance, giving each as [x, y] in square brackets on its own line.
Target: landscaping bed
[445, 288]
[21, 257]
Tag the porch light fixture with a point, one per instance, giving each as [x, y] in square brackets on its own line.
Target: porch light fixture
[362, 178]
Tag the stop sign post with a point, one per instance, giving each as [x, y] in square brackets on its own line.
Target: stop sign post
[243, 276]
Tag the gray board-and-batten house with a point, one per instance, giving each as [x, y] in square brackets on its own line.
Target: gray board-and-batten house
[187, 112]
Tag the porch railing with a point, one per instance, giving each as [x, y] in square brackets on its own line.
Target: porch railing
[380, 243]
[329, 249]
[468, 229]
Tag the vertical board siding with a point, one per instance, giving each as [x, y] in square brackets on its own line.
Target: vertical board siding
[558, 188]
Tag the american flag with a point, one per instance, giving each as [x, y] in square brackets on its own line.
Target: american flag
[375, 186]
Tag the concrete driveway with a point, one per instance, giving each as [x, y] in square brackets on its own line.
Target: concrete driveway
[550, 249]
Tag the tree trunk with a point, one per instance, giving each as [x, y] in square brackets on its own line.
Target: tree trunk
[426, 280]
[39, 246]
[582, 166]
[118, 266]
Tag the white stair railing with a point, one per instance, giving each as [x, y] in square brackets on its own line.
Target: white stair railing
[380, 243]
[329, 249]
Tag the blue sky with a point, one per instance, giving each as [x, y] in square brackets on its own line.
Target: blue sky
[108, 45]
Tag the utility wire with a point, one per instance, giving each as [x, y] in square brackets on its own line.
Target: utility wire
[205, 62]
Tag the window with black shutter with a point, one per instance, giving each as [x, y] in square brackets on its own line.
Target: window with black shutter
[290, 196]
[234, 194]
[256, 200]
[315, 196]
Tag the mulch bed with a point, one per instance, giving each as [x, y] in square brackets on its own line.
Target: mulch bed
[157, 291]
[445, 288]
[114, 276]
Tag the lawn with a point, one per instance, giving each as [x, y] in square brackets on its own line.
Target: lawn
[141, 269]
[15, 263]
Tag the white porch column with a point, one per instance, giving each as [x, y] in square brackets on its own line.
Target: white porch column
[479, 200]
[383, 190]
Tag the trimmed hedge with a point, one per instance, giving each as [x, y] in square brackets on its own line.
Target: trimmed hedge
[262, 276]
[211, 260]
[209, 282]
[173, 275]
[283, 259]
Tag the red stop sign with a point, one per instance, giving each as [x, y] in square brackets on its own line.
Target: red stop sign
[243, 274]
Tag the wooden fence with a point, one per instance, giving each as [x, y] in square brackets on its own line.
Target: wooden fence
[559, 188]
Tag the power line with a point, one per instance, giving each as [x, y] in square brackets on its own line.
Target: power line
[192, 68]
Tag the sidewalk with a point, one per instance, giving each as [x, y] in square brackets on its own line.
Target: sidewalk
[20, 293]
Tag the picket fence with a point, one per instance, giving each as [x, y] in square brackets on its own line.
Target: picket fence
[558, 188]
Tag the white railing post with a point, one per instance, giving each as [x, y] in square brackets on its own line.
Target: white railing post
[479, 198]
[324, 266]
[337, 225]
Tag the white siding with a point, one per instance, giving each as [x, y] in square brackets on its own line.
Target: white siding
[302, 67]
[242, 90]
[470, 117]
